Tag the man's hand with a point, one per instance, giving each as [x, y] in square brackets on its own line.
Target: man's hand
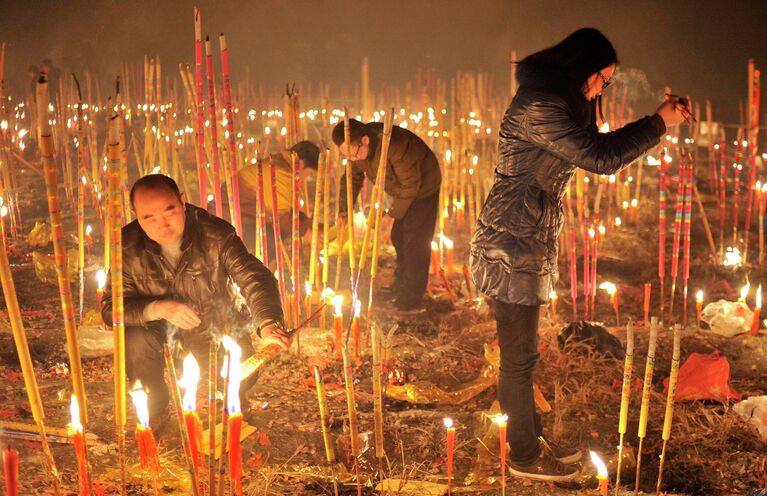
[272, 334]
[177, 313]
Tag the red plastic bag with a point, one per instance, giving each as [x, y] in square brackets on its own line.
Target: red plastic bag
[704, 377]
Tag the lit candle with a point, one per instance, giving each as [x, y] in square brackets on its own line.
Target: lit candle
[356, 330]
[612, 290]
[338, 323]
[147, 446]
[647, 294]
[235, 414]
[326, 296]
[553, 297]
[75, 429]
[634, 203]
[699, 305]
[308, 299]
[101, 281]
[434, 258]
[449, 248]
[501, 421]
[757, 311]
[601, 473]
[450, 447]
[11, 471]
[88, 238]
[744, 293]
[188, 382]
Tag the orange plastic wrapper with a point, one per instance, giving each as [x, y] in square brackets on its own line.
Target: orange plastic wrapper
[425, 392]
[704, 377]
[40, 235]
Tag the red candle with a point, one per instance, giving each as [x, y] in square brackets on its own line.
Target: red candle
[11, 471]
[449, 248]
[75, 429]
[88, 238]
[647, 293]
[434, 258]
[448, 288]
[500, 421]
[234, 415]
[147, 446]
[450, 448]
[586, 271]
[188, 382]
[601, 473]
[101, 281]
[553, 298]
[757, 311]
[468, 281]
[338, 323]
[356, 331]
[308, 299]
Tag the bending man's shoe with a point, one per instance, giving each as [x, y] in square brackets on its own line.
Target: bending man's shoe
[564, 454]
[544, 468]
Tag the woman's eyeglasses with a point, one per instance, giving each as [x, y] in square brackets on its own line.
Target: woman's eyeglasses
[605, 82]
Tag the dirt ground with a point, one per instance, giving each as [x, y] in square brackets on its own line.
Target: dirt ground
[711, 451]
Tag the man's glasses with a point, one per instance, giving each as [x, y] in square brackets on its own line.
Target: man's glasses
[605, 82]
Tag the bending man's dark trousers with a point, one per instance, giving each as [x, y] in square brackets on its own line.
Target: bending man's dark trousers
[517, 327]
[411, 236]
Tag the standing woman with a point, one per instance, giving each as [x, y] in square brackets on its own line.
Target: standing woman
[549, 129]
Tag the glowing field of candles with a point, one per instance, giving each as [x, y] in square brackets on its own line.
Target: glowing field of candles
[660, 266]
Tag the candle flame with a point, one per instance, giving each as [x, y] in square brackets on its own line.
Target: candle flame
[338, 303]
[3, 211]
[604, 128]
[759, 297]
[448, 422]
[744, 291]
[500, 419]
[598, 464]
[233, 371]
[609, 287]
[357, 307]
[101, 278]
[156, 169]
[699, 296]
[592, 233]
[308, 288]
[434, 246]
[602, 230]
[188, 382]
[88, 229]
[618, 221]
[140, 400]
[553, 295]
[74, 413]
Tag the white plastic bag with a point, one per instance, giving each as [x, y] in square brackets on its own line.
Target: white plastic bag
[727, 318]
[754, 410]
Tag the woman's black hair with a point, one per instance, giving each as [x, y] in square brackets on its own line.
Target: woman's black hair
[573, 60]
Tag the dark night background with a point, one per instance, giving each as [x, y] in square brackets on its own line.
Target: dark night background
[699, 48]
